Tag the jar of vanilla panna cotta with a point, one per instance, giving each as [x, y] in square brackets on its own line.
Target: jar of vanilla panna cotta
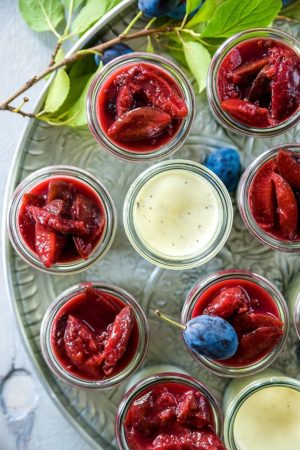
[262, 412]
[177, 214]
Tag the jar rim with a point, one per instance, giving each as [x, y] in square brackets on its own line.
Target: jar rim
[175, 73]
[246, 392]
[212, 77]
[156, 379]
[46, 328]
[221, 235]
[244, 206]
[212, 279]
[77, 174]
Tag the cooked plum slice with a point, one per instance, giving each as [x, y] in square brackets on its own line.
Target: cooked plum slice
[193, 409]
[124, 100]
[247, 112]
[116, 343]
[57, 224]
[289, 167]
[253, 345]
[242, 73]
[228, 302]
[84, 209]
[287, 207]
[244, 323]
[285, 85]
[33, 200]
[57, 207]
[139, 124]
[48, 245]
[260, 89]
[82, 346]
[139, 414]
[60, 190]
[166, 441]
[262, 196]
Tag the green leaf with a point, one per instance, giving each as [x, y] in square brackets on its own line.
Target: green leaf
[58, 92]
[76, 4]
[76, 116]
[292, 11]
[232, 16]
[42, 15]
[204, 14]
[198, 60]
[90, 13]
[191, 5]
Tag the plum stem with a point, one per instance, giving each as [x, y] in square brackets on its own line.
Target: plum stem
[170, 321]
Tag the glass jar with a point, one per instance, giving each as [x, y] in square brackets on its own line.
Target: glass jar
[154, 380]
[244, 206]
[264, 415]
[60, 371]
[173, 72]
[212, 83]
[69, 173]
[211, 280]
[174, 180]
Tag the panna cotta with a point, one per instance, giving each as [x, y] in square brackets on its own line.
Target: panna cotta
[264, 415]
[178, 213]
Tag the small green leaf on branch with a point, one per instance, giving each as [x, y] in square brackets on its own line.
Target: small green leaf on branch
[58, 92]
[198, 60]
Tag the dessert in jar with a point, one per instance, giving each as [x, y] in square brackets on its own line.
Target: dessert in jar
[253, 82]
[94, 336]
[256, 310]
[177, 214]
[140, 107]
[61, 219]
[169, 409]
[264, 413]
[268, 198]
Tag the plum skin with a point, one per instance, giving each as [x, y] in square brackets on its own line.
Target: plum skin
[211, 336]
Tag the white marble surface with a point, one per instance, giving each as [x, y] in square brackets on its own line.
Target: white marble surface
[28, 418]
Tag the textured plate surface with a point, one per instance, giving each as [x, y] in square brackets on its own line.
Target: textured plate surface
[31, 291]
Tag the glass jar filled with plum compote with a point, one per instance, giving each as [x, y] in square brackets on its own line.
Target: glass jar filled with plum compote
[269, 198]
[61, 219]
[169, 410]
[140, 107]
[255, 309]
[94, 335]
[253, 83]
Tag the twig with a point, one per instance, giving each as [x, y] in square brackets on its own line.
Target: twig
[288, 19]
[55, 51]
[19, 111]
[78, 55]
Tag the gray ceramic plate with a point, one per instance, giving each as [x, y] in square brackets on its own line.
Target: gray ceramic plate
[31, 291]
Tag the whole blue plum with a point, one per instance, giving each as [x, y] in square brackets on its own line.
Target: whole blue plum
[211, 336]
[287, 2]
[225, 162]
[180, 11]
[157, 8]
[112, 52]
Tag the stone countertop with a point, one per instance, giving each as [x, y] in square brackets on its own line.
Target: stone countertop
[29, 419]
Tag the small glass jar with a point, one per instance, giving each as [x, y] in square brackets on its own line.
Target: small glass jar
[244, 206]
[60, 371]
[173, 72]
[293, 301]
[69, 173]
[205, 283]
[233, 421]
[154, 380]
[212, 83]
[193, 257]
